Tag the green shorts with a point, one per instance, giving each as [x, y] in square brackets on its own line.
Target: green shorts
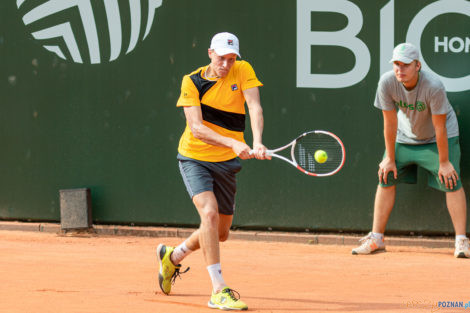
[409, 157]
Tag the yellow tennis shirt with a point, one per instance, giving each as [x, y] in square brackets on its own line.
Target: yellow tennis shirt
[223, 109]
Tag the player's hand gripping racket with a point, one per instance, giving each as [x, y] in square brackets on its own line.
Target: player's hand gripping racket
[315, 153]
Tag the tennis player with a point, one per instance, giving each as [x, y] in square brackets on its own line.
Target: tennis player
[420, 130]
[213, 99]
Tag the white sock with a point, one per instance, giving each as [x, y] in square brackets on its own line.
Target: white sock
[458, 237]
[378, 236]
[180, 253]
[215, 272]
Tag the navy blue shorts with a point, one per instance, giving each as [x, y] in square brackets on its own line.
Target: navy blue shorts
[218, 177]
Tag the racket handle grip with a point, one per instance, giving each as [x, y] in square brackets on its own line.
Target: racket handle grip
[268, 152]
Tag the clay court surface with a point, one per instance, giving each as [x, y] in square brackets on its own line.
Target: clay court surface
[46, 272]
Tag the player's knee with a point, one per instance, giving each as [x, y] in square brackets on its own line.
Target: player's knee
[210, 218]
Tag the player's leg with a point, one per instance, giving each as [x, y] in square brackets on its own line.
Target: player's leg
[214, 228]
[197, 179]
[206, 237]
[225, 222]
[208, 232]
[407, 172]
[457, 206]
[455, 198]
[225, 187]
[191, 244]
[383, 205]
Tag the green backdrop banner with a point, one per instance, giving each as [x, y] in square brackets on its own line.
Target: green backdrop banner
[88, 92]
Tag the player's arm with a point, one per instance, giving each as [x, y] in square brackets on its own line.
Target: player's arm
[202, 132]
[446, 169]
[390, 135]
[253, 103]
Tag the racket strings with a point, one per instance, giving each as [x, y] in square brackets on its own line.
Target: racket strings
[306, 146]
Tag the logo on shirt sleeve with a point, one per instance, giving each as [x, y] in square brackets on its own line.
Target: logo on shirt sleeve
[234, 87]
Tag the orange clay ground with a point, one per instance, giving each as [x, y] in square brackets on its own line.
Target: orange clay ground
[46, 272]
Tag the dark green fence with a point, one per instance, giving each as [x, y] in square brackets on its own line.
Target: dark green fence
[88, 94]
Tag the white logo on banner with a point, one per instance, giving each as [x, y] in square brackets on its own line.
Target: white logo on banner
[64, 31]
[344, 38]
[420, 21]
[347, 38]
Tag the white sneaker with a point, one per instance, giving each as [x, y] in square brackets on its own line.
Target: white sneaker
[462, 248]
[370, 245]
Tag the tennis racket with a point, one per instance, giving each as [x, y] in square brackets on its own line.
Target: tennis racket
[304, 147]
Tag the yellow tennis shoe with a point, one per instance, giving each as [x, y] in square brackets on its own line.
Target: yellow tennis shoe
[168, 271]
[226, 300]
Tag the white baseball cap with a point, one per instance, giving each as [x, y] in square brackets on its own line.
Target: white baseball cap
[405, 52]
[225, 43]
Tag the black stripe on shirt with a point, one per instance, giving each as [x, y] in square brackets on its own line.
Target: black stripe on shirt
[227, 120]
[201, 84]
